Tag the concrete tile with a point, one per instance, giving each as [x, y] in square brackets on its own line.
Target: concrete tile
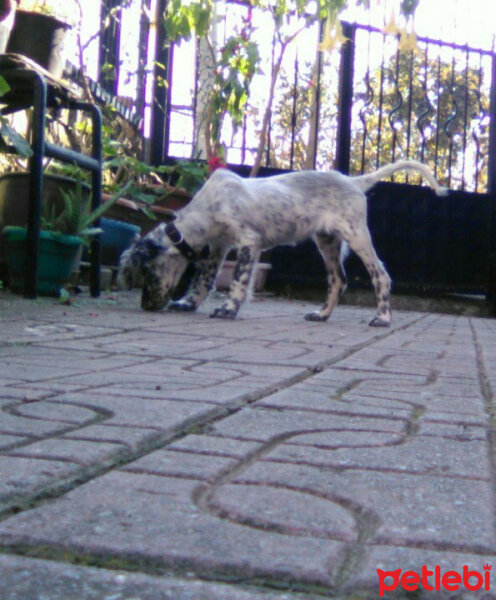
[110, 516]
[33, 579]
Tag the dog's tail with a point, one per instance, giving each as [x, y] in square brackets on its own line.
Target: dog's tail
[365, 182]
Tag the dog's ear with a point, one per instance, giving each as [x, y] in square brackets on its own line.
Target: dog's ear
[146, 249]
[134, 258]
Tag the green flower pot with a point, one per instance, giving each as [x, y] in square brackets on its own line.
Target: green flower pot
[58, 252]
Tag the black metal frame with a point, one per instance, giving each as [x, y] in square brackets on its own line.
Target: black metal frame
[30, 88]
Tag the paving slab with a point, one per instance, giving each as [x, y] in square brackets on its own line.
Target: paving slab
[34, 579]
[160, 455]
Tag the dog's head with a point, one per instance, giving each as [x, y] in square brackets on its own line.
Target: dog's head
[158, 263]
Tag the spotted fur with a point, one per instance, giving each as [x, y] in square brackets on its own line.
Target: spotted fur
[255, 214]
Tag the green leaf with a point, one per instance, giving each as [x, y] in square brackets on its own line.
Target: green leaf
[4, 86]
[147, 212]
[19, 143]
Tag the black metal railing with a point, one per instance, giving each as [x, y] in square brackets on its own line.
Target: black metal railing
[372, 105]
[376, 105]
[432, 104]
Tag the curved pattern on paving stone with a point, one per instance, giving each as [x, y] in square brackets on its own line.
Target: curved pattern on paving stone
[48, 419]
[370, 455]
[300, 473]
[288, 509]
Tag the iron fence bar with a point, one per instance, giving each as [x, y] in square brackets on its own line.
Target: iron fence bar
[410, 108]
[438, 115]
[475, 137]
[423, 115]
[381, 106]
[109, 45]
[194, 105]
[245, 120]
[161, 105]
[243, 140]
[465, 120]
[363, 119]
[396, 108]
[345, 99]
[318, 98]
[293, 112]
[142, 75]
[269, 125]
[363, 110]
[492, 131]
[449, 121]
[269, 141]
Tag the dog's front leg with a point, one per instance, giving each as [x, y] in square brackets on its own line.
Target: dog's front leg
[247, 256]
[202, 282]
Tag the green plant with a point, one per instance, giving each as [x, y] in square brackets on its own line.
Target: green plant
[9, 138]
[120, 168]
[188, 175]
[234, 64]
[76, 218]
[228, 69]
[146, 182]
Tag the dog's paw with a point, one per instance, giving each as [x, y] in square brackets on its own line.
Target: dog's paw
[179, 306]
[379, 322]
[315, 316]
[223, 313]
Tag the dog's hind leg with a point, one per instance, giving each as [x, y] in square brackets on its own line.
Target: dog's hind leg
[202, 282]
[247, 256]
[361, 243]
[330, 249]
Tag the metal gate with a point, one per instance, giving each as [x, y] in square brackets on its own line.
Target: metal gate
[442, 111]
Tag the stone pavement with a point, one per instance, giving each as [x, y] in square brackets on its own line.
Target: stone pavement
[165, 456]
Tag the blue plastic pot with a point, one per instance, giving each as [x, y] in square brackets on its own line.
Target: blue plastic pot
[116, 237]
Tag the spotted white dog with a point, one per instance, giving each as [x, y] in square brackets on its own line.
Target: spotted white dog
[256, 214]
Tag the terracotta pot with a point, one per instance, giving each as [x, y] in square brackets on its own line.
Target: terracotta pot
[129, 212]
[172, 198]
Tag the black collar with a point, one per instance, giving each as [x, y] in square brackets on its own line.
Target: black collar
[177, 240]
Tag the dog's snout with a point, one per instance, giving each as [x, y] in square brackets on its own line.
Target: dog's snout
[151, 299]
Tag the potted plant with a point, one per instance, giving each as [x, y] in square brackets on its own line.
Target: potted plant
[14, 201]
[153, 193]
[39, 34]
[61, 238]
[183, 179]
[9, 138]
